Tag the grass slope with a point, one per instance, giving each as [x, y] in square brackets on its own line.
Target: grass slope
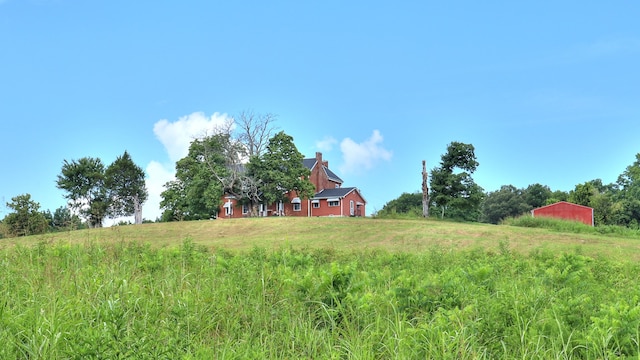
[341, 288]
[351, 234]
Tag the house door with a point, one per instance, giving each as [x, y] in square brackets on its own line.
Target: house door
[351, 208]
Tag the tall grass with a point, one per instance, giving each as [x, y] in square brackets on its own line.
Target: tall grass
[129, 300]
[571, 226]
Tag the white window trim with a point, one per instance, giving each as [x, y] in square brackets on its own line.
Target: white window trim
[297, 207]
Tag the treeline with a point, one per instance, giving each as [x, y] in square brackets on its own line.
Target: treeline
[93, 192]
[27, 218]
[454, 195]
[244, 158]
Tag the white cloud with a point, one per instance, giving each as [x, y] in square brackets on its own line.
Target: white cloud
[363, 156]
[157, 175]
[326, 144]
[177, 136]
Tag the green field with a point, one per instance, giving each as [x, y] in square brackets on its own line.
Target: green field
[319, 288]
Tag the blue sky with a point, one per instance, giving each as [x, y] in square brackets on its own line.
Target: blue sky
[548, 92]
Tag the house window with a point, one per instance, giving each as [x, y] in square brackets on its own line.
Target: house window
[296, 204]
[316, 204]
[333, 202]
[245, 209]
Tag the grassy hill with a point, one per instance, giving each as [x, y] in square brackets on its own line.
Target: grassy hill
[349, 234]
[216, 290]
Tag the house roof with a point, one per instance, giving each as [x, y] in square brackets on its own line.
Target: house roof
[310, 163]
[564, 203]
[331, 175]
[335, 193]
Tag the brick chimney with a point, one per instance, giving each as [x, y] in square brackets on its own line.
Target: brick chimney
[324, 163]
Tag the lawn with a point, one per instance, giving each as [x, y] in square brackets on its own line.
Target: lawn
[348, 234]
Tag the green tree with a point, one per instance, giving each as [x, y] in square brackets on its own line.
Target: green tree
[281, 170]
[603, 209]
[583, 193]
[83, 181]
[221, 158]
[196, 192]
[557, 196]
[536, 195]
[224, 158]
[126, 189]
[26, 218]
[628, 195]
[598, 196]
[506, 202]
[63, 219]
[453, 190]
[406, 203]
[174, 202]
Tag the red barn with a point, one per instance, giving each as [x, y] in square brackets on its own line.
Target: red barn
[567, 211]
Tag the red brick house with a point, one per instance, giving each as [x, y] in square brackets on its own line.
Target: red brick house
[567, 211]
[331, 199]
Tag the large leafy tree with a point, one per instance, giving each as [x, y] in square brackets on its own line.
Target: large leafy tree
[26, 218]
[536, 195]
[126, 189]
[582, 194]
[217, 164]
[509, 201]
[598, 196]
[196, 192]
[224, 156]
[281, 170]
[174, 202]
[453, 190]
[83, 181]
[628, 195]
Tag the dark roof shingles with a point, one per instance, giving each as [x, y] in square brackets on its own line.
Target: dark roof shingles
[333, 193]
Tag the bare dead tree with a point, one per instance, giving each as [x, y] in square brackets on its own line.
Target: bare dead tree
[226, 155]
[255, 130]
[137, 210]
[425, 190]
[227, 148]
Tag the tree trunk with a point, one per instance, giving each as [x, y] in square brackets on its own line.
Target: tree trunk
[425, 190]
[137, 210]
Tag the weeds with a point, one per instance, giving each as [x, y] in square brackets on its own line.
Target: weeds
[128, 300]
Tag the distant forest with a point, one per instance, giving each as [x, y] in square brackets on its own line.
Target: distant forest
[454, 195]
